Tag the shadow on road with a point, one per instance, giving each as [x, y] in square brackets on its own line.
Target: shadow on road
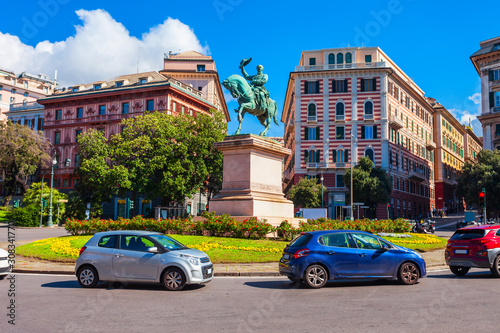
[331, 284]
[116, 285]
[486, 275]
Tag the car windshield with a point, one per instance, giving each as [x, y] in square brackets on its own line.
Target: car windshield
[468, 234]
[168, 243]
[301, 240]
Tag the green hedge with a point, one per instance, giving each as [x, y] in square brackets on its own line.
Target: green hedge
[225, 225]
[28, 216]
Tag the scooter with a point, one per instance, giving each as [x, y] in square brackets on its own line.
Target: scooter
[424, 227]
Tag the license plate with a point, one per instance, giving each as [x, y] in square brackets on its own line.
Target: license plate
[286, 256]
[209, 271]
[460, 251]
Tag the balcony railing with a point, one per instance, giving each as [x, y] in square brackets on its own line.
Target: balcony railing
[341, 66]
[417, 175]
[396, 123]
[339, 117]
[25, 106]
[311, 118]
[312, 165]
[496, 109]
[430, 145]
[368, 116]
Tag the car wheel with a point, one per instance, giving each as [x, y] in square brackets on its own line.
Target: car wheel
[495, 270]
[459, 270]
[315, 276]
[408, 273]
[88, 277]
[174, 279]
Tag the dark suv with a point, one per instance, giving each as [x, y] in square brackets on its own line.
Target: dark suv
[477, 246]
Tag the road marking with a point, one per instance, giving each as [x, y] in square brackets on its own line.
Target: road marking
[446, 225]
[38, 274]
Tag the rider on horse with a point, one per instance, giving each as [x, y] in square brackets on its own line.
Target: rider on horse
[257, 82]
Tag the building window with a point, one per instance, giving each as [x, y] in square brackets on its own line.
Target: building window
[200, 68]
[311, 87]
[150, 105]
[339, 181]
[58, 114]
[77, 160]
[369, 84]
[79, 112]
[311, 133]
[97, 86]
[494, 98]
[311, 156]
[125, 108]
[331, 59]
[339, 86]
[143, 80]
[497, 129]
[368, 107]
[183, 109]
[339, 132]
[45, 90]
[25, 84]
[312, 61]
[102, 110]
[12, 100]
[340, 58]
[369, 132]
[348, 58]
[369, 153]
[119, 84]
[13, 91]
[496, 47]
[190, 112]
[174, 106]
[74, 89]
[340, 155]
[65, 182]
[25, 94]
[339, 111]
[311, 112]
[77, 133]
[368, 58]
[57, 138]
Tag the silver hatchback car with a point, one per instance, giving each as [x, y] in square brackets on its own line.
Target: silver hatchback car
[141, 256]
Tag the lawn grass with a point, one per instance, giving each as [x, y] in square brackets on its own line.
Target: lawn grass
[219, 249]
[3, 216]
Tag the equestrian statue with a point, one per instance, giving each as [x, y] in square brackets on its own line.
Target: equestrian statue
[252, 96]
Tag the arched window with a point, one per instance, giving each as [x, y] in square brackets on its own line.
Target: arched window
[311, 111]
[340, 155]
[369, 153]
[331, 58]
[339, 109]
[311, 156]
[348, 58]
[340, 58]
[368, 107]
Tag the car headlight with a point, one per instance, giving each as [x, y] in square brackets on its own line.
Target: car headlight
[419, 255]
[193, 260]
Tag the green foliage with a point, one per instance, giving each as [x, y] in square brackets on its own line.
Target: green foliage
[158, 155]
[28, 216]
[306, 193]
[32, 198]
[23, 151]
[484, 174]
[371, 185]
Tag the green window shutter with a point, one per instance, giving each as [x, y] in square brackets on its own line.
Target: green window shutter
[317, 156]
[334, 88]
[362, 84]
[375, 132]
[306, 133]
[362, 132]
[306, 86]
[334, 156]
[492, 99]
[306, 155]
[490, 74]
[346, 155]
[317, 133]
[374, 84]
[317, 87]
[345, 85]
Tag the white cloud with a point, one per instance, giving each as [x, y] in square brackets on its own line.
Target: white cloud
[465, 118]
[476, 98]
[100, 49]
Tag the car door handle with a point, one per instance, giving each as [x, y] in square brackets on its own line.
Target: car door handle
[362, 254]
[118, 255]
[331, 252]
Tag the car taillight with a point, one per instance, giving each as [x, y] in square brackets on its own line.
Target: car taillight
[481, 253]
[301, 253]
[481, 241]
[81, 250]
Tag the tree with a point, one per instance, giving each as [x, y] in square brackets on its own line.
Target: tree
[306, 193]
[372, 186]
[156, 155]
[483, 174]
[32, 198]
[22, 151]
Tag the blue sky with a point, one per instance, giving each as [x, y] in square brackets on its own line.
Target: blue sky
[430, 40]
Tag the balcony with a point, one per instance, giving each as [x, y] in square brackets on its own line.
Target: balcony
[368, 116]
[25, 106]
[339, 117]
[341, 66]
[312, 165]
[396, 123]
[311, 118]
[417, 175]
[496, 109]
[430, 145]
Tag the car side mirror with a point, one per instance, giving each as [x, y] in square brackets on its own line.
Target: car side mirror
[385, 247]
[153, 249]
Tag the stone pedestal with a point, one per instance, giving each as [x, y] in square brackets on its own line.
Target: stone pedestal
[251, 181]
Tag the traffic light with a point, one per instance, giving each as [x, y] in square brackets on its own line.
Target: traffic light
[206, 207]
[130, 204]
[482, 198]
[16, 203]
[44, 202]
[66, 162]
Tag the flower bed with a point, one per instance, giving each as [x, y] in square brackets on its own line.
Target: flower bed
[225, 225]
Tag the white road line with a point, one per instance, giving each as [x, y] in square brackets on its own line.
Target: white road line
[37, 274]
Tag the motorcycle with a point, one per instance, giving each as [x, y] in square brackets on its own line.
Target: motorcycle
[463, 224]
[424, 227]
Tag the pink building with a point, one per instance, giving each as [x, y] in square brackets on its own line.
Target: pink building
[343, 104]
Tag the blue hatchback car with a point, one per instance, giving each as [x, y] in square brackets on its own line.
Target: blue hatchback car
[318, 256]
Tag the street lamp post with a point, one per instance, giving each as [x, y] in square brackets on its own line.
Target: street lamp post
[321, 188]
[54, 162]
[352, 189]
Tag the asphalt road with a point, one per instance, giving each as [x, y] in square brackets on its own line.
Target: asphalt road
[23, 234]
[439, 303]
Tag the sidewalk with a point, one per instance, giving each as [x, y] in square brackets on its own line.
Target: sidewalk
[435, 261]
